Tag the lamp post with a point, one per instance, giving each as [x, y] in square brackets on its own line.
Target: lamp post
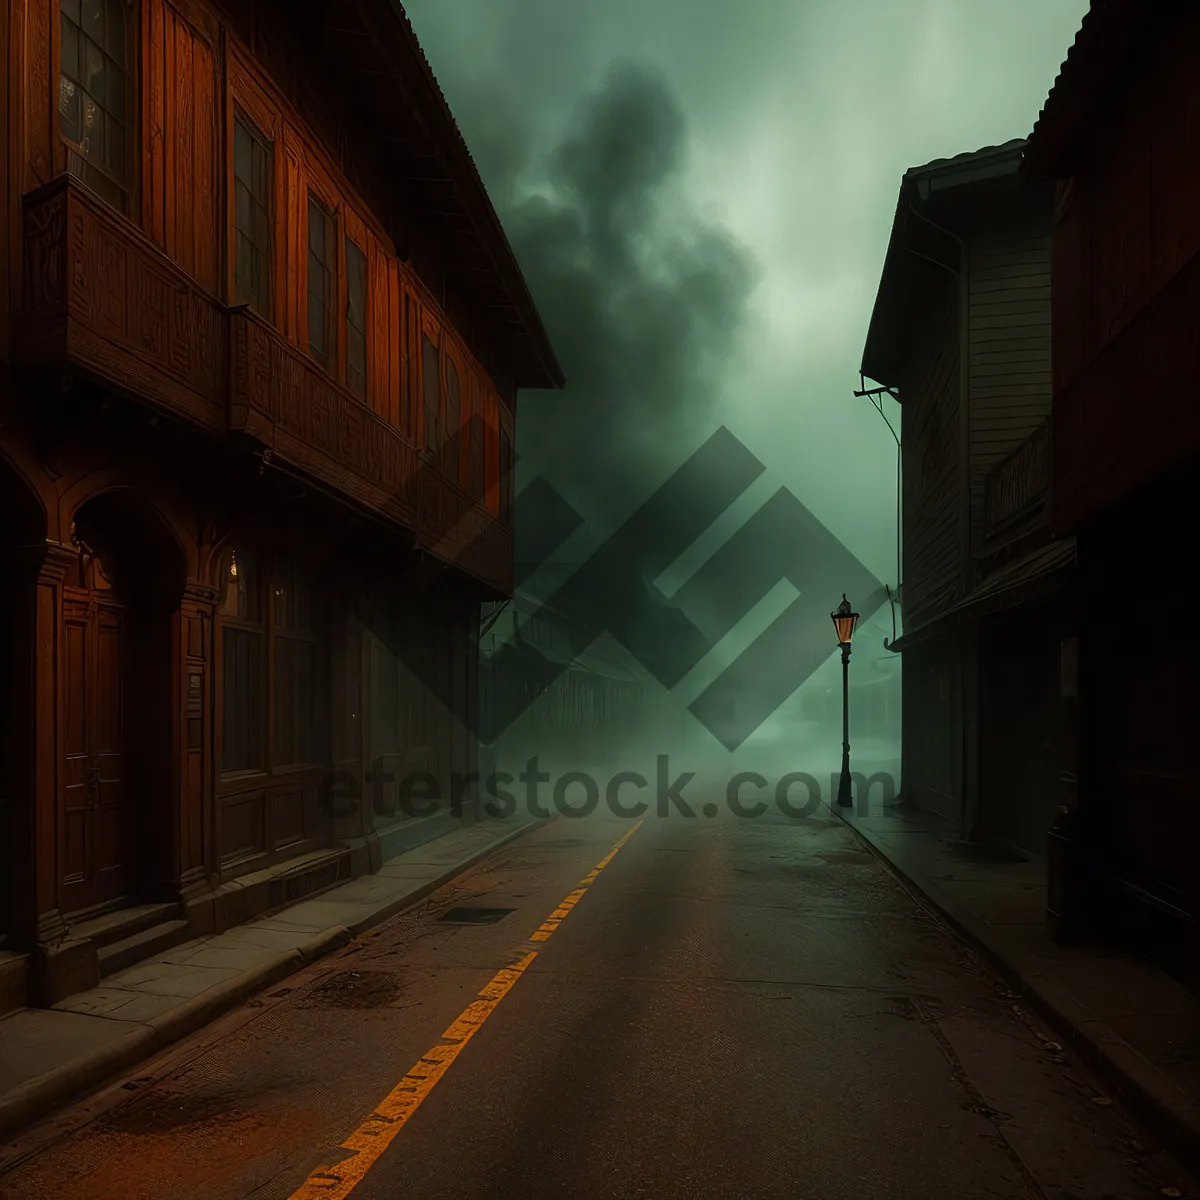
[844, 621]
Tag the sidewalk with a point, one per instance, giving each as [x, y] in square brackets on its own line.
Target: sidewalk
[50, 1057]
[1133, 1022]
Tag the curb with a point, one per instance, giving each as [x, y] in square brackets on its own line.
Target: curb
[1139, 1083]
[431, 885]
[71, 1082]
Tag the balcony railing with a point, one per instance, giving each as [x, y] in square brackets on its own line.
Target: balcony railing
[100, 296]
[1017, 488]
[102, 299]
[289, 405]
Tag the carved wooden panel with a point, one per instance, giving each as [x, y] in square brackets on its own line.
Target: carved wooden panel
[128, 314]
[45, 258]
[291, 404]
[41, 90]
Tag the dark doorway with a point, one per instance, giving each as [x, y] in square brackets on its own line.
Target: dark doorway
[119, 598]
[1018, 699]
[22, 539]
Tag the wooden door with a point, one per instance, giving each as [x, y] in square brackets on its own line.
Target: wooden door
[97, 834]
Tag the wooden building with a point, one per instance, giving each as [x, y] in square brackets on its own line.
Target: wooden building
[1119, 138]
[961, 333]
[261, 336]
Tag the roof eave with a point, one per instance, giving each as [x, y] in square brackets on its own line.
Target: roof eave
[544, 372]
[961, 174]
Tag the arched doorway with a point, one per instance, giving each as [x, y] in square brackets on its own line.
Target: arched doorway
[22, 537]
[120, 596]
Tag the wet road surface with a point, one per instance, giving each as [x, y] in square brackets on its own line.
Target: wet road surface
[728, 1008]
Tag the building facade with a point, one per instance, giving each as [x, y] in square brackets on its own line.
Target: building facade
[262, 339]
[1119, 139]
[961, 334]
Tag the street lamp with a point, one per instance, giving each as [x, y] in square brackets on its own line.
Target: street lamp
[844, 621]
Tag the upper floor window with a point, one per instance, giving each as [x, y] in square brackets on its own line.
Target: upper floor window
[452, 449]
[94, 95]
[431, 385]
[254, 176]
[507, 467]
[356, 320]
[322, 263]
[476, 436]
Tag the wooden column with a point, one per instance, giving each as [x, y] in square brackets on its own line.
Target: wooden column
[61, 965]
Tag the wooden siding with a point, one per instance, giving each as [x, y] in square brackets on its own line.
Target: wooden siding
[1127, 237]
[194, 71]
[1128, 223]
[1009, 351]
[180, 148]
[931, 488]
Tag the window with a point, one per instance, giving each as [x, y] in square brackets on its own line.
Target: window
[297, 677]
[432, 391]
[506, 476]
[273, 639]
[407, 391]
[452, 449]
[94, 103]
[356, 320]
[242, 641]
[254, 176]
[476, 464]
[321, 274]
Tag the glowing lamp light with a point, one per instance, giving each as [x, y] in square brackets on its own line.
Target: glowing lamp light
[844, 621]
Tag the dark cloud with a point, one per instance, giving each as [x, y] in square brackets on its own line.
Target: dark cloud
[644, 300]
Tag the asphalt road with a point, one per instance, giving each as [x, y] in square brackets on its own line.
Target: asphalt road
[729, 1008]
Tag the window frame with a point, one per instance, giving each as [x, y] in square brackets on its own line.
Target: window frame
[317, 635]
[316, 199]
[260, 752]
[269, 143]
[350, 243]
[428, 329]
[477, 441]
[128, 190]
[450, 457]
[507, 467]
[272, 572]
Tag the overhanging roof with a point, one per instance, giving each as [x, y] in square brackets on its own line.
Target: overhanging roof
[1111, 36]
[1017, 582]
[370, 57]
[915, 243]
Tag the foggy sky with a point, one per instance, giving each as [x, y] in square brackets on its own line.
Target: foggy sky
[700, 195]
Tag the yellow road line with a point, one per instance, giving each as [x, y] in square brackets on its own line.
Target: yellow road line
[367, 1143]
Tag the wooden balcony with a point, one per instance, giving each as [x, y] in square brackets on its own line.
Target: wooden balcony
[102, 299]
[291, 407]
[457, 529]
[288, 404]
[1017, 488]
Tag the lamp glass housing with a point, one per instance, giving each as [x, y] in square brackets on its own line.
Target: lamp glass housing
[844, 621]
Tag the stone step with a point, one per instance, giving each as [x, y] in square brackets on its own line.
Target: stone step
[121, 925]
[14, 979]
[118, 956]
